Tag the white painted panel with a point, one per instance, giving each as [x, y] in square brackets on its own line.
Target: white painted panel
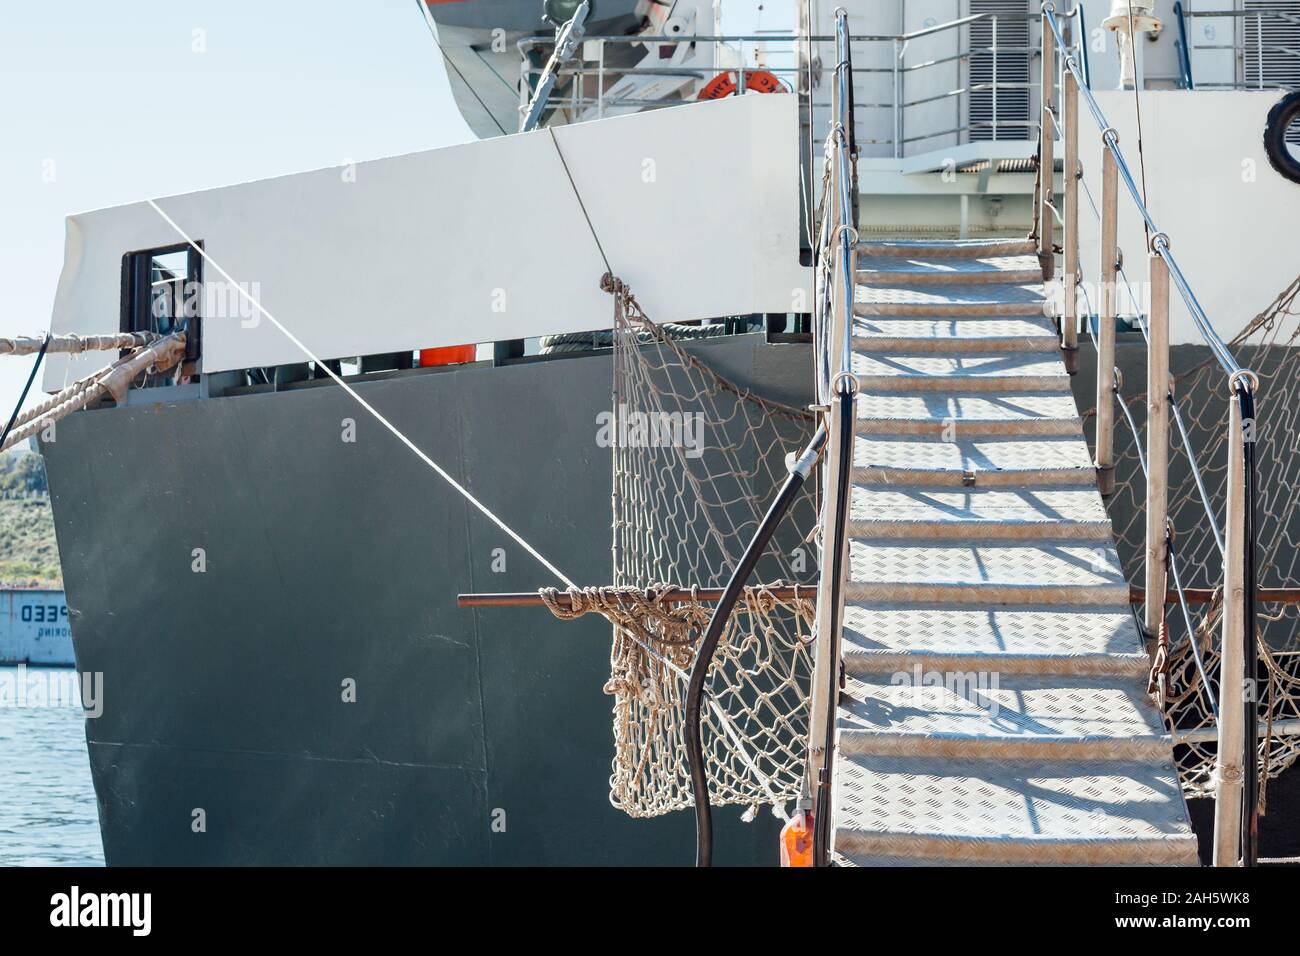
[1231, 219]
[34, 627]
[697, 209]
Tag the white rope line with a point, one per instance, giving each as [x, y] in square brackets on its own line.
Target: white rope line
[363, 403]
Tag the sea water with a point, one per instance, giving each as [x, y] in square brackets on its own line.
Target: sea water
[47, 802]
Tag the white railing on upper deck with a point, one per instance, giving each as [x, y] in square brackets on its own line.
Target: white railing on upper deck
[906, 116]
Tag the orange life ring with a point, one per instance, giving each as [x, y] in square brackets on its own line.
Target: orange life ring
[723, 85]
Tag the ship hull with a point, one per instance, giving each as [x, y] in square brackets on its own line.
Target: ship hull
[286, 676]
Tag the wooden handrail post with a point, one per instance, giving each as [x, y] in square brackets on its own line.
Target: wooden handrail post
[1046, 157]
[1157, 501]
[819, 708]
[1070, 172]
[1105, 439]
[1231, 748]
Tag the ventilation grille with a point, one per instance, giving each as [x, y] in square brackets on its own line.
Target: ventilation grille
[1271, 50]
[1006, 115]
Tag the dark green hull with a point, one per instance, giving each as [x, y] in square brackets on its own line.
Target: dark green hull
[475, 737]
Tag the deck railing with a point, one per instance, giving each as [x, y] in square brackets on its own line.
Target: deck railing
[592, 83]
[1253, 58]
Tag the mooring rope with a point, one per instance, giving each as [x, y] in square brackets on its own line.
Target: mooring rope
[352, 393]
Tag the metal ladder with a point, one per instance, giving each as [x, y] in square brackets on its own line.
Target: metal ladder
[994, 707]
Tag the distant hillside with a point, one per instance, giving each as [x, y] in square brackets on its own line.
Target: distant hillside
[29, 555]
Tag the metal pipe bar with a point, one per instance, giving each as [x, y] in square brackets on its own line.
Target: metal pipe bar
[795, 592]
[1207, 595]
[1192, 643]
[1196, 473]
[672, 595]
[1204, 735]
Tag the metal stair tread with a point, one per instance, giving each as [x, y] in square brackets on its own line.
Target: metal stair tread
[994, 571]
[1073, 640]
[936, 334]
[928, 712]
[980, 455]
[994, 706]
[947, 248]
[951, 298]
[976, 810]
[944, 270]
[991, 371]
[967, 414]
[887, 511]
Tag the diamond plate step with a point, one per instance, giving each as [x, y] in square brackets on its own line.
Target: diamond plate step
[1075, 641]
[932, 335]
[985, 573]
[971, 415]
[994, 709]
[986, 513]
[925, 712]
[1015, 811]
[969, 299]
[983, 462]
[992, 372]
[906, 269]
[949, 249]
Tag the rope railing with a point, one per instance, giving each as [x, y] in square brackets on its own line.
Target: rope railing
[1234, 710]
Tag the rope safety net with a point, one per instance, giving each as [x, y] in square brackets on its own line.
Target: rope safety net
[697, 460]
[1270, 343]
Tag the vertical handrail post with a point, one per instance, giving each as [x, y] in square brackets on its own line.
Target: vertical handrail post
[1105, 438]
[600, 83]
[898, 99]
[1046, 155]
[1231, 747]
[1157, 499]
[819, 708]
[1070, 217]
[995, 79]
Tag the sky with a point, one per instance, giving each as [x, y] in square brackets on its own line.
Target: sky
[107, 103]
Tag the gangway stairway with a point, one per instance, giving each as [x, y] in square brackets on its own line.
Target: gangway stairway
[994, 707]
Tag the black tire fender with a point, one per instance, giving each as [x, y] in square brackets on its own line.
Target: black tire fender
[1280, 117]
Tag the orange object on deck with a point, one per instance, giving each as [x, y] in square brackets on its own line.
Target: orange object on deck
[448, 355]
[797, 840]
[723, 85]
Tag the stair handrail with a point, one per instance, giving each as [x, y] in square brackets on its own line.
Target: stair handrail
[837, 388]
[1235, 833]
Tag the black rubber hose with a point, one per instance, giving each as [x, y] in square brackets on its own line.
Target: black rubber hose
[822, 801]
[799, 473]
[1250, 818]
[4, 435]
